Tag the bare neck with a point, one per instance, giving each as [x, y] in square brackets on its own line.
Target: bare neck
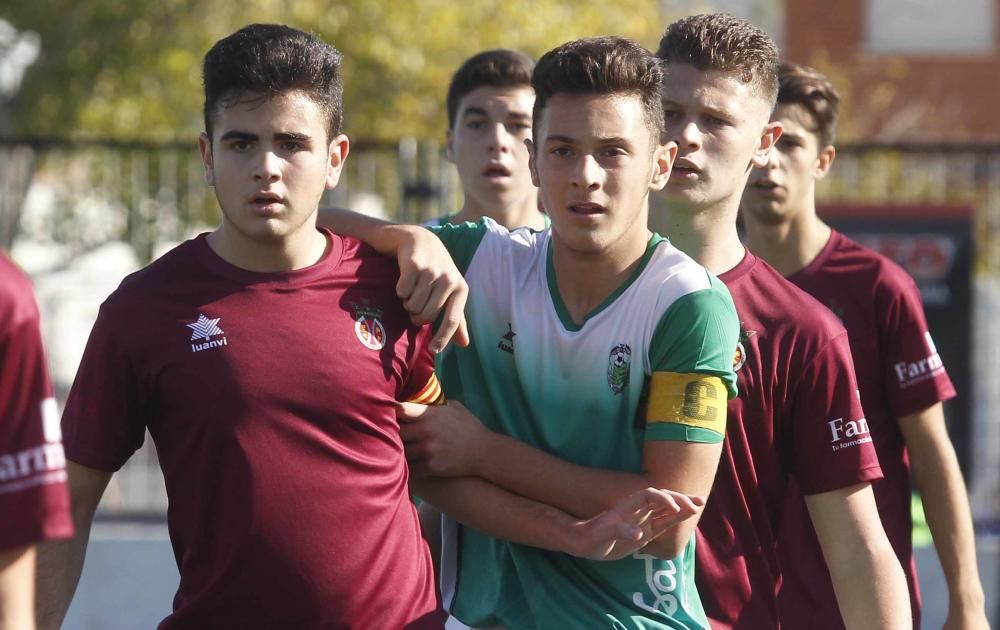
[300, 249]
[789, 246]
[585, 280]
[524, 214]
[706, 234]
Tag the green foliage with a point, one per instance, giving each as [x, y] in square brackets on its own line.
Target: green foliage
[131, 68]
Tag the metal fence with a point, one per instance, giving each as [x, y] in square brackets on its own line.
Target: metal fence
[78, 196]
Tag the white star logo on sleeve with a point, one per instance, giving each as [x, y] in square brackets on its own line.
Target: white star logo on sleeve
[205, 328]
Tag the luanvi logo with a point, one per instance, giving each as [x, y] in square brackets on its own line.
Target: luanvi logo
[206, 328]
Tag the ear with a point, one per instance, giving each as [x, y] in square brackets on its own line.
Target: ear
[772, 131]
[205, 148]
[339, 148]
[449, 149]
[532, 162]
[663, 163]
[825, 161]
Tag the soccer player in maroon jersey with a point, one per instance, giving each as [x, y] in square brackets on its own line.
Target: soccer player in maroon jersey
[34, 503]
[880, 307]
[793, 363]
[267, 359]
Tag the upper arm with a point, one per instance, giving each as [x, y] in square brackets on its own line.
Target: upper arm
[846, 521]
[86, 487]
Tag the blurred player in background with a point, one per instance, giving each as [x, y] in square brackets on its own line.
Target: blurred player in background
[793, 362]
[902, 380]
[34, 503]
[489, 118]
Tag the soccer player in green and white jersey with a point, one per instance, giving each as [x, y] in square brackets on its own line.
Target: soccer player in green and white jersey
[600, 363]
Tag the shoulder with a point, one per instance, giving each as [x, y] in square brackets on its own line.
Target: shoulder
[676, 275]
[867, 268]
[17, 299]
[766, 296]
[158, 277]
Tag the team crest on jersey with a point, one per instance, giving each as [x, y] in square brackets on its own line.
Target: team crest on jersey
[619, 366]
[740, 358]
[207, 328]
[367, 326]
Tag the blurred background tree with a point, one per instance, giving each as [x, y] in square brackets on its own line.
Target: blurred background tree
[130, 69]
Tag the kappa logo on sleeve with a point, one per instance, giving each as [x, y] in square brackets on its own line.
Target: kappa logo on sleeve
[694, 400]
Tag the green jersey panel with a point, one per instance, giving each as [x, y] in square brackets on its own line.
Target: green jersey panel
[575, 392]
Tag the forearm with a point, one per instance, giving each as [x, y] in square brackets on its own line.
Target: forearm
[946, 506]
[580, 491]
[60, 564]
[871, 588]
[387, 238]
[530, 472]
[17, 587]
[483, 506]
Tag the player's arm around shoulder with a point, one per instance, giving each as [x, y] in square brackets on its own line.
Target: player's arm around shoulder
[692, 379]
[867, 577]
[60, 563]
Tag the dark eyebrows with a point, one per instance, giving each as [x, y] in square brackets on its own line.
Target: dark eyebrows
[473, 111]
[238, 135]
[291, 136]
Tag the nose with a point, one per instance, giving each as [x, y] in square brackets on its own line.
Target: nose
[587, 174]
[501, 140]
[267, 168]
[690, 136]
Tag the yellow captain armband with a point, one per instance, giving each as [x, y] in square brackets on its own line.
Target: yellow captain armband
[686, 407]
[430, 394]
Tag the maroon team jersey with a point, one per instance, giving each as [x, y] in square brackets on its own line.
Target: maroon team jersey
[271, 399]
[797, 419]
[899, 373]
[34, 502]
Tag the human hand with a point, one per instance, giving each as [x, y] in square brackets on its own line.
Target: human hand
[632, 524]
[442, 440]
[966, 618]
[429, 285]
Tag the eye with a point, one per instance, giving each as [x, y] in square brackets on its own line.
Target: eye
[613, 152]
[240, 146]
[292, 146]
[561, 151]
[671, 114]
[475, 124]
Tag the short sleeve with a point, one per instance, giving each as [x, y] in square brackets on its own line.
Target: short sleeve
[691, 360]
[914, 375]
[421, 384]
[104, 421]
[831, 444]
[34, 499]
[462, 240]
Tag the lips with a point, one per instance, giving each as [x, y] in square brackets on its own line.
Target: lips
[685, 166]
[586, 208]
[496, 170]
[266, 198]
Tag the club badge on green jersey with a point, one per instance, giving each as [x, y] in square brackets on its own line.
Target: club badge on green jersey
[619, 366]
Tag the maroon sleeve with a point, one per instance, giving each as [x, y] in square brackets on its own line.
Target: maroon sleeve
[103, 423]
[915, 377]
[832, 447]
[421, 384]
[34, 502]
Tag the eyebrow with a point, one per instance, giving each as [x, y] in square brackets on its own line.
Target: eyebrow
[601, 141]
[473, 111]
[281, 136]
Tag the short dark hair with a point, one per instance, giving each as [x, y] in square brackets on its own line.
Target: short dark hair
[267, 60]
[722, 42]
[801, 85]
[499, 67]
[602, 65]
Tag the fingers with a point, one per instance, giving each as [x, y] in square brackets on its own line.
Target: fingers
[453, 324]
[409, 412]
